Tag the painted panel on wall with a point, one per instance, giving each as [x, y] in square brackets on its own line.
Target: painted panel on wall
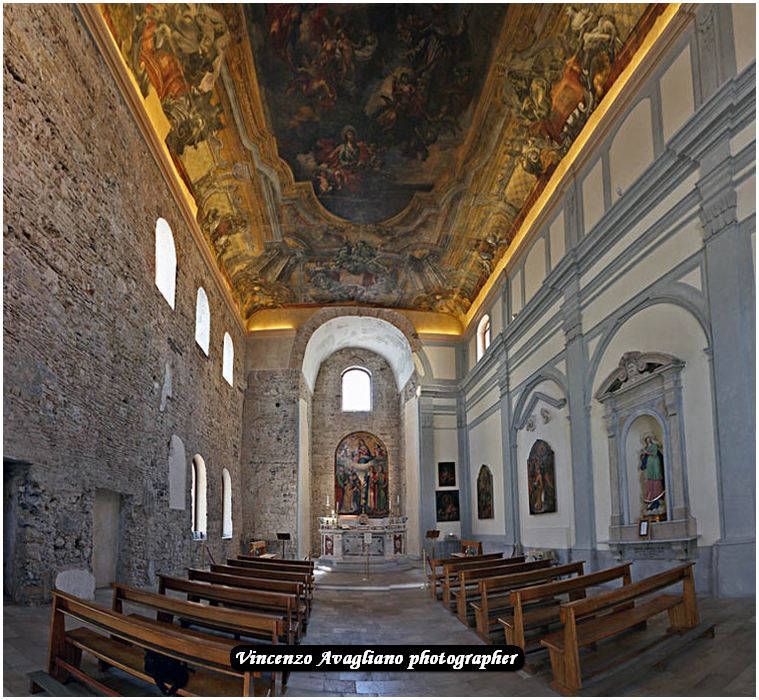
[534, 269]
[541, 478]
[677, 102]
[485, 493]
[593, 197]
[361, 476]
[631, 150]
[556, 233]
[744, 32]
[447, 506]
[446, 473]
[516, 292]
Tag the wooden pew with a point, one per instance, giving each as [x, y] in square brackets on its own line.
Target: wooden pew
[273, 564]
[529, 604]
[465, 588]
[450, 578]
[434, 576]
[302, 577]
[591, 620]
[494, 592]
[260, 584]
[283, 604]
[274, 559]
[120, 641]
[471, 547]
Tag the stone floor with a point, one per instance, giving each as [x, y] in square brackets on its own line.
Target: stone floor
[725, 665]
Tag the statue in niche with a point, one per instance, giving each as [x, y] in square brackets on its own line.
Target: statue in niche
[361, 476]
[484, 494]
[652, 477]
[541, 480]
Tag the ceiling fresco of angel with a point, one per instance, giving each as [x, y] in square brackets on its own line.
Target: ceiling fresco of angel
[371, 154]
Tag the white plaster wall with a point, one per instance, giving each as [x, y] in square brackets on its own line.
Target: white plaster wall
[411, 453]
[485, 402]
[304, 482]
[516, 292]
[496, 317]
[472, 351]
[676, 88]
[558, 242]
[485, 447]
[746, 194]
[548, 530]
[534, 269]
[744, 33]
[743, 138]
[442, 360]
[593, 196]
[631, 150]
[553, 345]
[447, 450]
[671, 329]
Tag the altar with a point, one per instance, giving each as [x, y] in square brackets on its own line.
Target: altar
[345, 540]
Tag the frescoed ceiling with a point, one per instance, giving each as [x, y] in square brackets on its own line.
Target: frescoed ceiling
[380, 155]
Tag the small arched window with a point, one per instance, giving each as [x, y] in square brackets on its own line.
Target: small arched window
[483, 335]
[202, 320]
[357, 390]
[229, 359]
[226, 504]
[165, 261]
[199, 499]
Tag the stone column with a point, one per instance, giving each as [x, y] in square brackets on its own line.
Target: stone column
[731, 292]
[428, 466]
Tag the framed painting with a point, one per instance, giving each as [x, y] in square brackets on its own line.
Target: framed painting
[541, 479]
[485, 494]
[446, 473]
[361, 476]
[447, 506]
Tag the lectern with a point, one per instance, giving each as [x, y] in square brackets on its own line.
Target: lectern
[283, 537]
[432, 535]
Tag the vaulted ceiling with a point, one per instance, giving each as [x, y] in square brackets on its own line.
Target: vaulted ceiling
[372, 154]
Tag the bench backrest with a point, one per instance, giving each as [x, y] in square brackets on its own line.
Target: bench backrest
[238, 619]
[269, 565]
[569, 585]
[306, 564]
[259, 584]
[454, 560]
[585, 606]
[471, 575]
[148, 635]
[474, 545]
[300, 576]
[507, 582]
[230, 594]
[463, 565]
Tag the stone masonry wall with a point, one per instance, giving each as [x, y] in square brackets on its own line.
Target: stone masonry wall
[330, 425]
[87, 336]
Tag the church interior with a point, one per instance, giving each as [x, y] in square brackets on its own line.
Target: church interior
[379, 324]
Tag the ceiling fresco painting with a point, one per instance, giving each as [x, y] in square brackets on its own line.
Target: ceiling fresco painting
[370, 154]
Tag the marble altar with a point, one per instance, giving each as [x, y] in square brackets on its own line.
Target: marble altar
[344, 539]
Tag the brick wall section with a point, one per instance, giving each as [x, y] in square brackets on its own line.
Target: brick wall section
[330, 425]
[87, 336]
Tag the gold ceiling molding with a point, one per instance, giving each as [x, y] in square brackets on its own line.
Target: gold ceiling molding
[666, 29]
[104, 40]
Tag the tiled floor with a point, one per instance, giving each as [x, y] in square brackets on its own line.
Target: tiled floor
[724, 665]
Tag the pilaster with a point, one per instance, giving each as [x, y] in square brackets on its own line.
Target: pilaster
[512, 528]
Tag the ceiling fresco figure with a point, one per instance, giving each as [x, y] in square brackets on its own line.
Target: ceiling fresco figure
[380, 155]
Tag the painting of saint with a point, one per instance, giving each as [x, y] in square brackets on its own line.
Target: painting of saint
[652, 473]
[484, 494]
[361, 476]
[541, 480]
[446, 473]
[447, 506]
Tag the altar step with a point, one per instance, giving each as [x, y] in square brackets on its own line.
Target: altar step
[382, 576]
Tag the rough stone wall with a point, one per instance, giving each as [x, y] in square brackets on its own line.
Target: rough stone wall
[330, 425]
[87, 336]
[270, 453]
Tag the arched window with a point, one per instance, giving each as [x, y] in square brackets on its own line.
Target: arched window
[483, 335]
[199, 499]
[229, 359]
[202, 320]
[357, 390]
[226, 504]
[165, 261]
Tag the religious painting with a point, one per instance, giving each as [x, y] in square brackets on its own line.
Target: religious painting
[447, 505]
[541, 479]
[485, 494]
[651, 472]
[361, 476]
[446, 473]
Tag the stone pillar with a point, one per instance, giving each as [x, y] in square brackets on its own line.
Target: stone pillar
[731, 292]
[512, 526]
[428, 478]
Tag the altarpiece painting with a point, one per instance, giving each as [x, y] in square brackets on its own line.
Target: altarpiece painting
[484, 494]
[361, 476]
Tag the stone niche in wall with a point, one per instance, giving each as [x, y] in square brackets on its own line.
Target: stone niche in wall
[643, 413]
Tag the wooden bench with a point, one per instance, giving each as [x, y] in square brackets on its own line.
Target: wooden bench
[434, 576]
[591, 620]
[494, 593]
[275, 575]
[273, 564]
[536, 606]
[283, 604]
[451, 581]
[306, 564]
[120, 641]
[466, 588]
[260, 584]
